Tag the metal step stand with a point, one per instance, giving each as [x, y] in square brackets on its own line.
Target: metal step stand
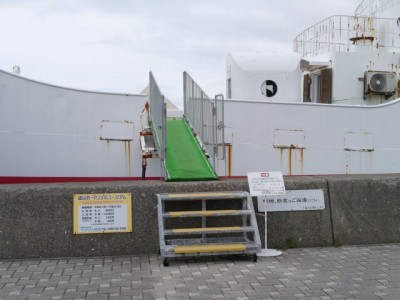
[190, 224]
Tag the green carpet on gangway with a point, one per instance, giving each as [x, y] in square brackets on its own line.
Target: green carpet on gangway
[185, 160]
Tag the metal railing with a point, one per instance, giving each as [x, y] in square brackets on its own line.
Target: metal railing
[206, 118]
[372, 7]
[219, 123]
[349, 33]
[158, 119]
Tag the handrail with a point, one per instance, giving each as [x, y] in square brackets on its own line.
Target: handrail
[349, 33]
[219, 127]
[372, 7]
[206, 118]
[158, 120]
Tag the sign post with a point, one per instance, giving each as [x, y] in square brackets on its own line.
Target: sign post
[263, 184]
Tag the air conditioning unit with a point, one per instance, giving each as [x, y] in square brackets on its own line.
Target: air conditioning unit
[380, 83]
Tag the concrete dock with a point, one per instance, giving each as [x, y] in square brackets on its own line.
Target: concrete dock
[36, 220]
[36, 229]
[347, 272]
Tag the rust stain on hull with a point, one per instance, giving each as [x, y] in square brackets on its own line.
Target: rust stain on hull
[302, 160]
[229, 146]
[128, 156]
[294, 154]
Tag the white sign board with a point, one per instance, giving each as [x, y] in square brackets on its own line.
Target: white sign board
[266, 183]
[292, 201]
[102, 213]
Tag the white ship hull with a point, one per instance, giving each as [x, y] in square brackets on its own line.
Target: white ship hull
[50, 133]
[330, 108]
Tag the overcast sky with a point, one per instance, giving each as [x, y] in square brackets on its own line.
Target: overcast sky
[111, 45]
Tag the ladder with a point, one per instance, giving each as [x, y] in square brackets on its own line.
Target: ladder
[205, 224]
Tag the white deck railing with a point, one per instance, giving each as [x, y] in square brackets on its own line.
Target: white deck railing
[372, 7]
[350, 34]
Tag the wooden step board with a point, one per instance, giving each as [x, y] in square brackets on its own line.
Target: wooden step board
[203, 230]
[207, 213]
[210, 248]
[201, 196]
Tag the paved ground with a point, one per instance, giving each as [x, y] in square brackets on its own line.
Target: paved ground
[366, 272]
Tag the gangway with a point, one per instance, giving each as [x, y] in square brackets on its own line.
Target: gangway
[189, 140]
[205, 224]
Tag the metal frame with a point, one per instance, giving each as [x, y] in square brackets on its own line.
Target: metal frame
[158, 120]
[372, 7]
[252, 242]
[206, 118]
[347, 34]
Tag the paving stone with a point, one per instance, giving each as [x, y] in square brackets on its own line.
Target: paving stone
[363, 272]
[131, 292]
[53, 291]
[109, 290]
[73, 295]
[236, 294]
[24, 282]
[97, 297]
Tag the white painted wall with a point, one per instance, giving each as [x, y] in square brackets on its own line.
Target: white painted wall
[337, 139]
[348, 67]
[52, 131]
[248, 71]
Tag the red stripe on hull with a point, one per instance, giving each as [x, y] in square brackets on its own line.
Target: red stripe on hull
[20, 180]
